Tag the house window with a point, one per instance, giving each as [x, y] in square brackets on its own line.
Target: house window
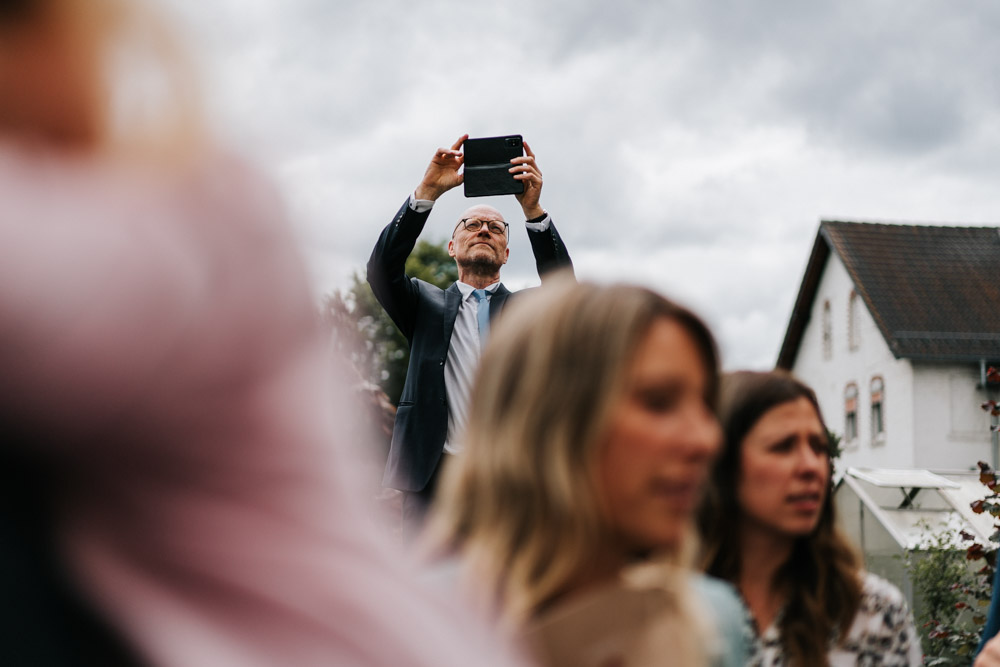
[854, 321]
[827, 331]
[878, 410]
[851, 413]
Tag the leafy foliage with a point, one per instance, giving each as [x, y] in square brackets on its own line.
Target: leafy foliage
[954, 597]
[834, 441]
[363, 333]
[956, 586]
[431, 263]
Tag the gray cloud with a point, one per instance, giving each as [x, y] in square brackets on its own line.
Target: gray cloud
[689, 145]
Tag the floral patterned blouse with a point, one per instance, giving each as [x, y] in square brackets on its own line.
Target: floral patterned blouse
[883, 633]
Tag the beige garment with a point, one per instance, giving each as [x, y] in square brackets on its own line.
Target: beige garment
[634, 621]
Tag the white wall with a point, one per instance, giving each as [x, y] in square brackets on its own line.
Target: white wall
[830, 377]
[952, 430]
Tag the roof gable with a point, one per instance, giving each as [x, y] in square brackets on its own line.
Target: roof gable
[933, 291]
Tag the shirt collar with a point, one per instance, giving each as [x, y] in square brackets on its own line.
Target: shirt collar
[467, 290]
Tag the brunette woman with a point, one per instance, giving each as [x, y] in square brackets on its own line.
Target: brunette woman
[770, 528]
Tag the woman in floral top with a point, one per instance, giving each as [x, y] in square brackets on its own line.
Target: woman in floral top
[769, 528]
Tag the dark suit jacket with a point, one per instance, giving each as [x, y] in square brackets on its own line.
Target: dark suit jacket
[426, 314]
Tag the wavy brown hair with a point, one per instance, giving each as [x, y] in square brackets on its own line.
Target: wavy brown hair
[822, 573]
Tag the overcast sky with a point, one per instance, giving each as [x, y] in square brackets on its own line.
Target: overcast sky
[690, 145]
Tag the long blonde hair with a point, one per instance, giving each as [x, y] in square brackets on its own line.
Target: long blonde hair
[521, 505]
[135, 90]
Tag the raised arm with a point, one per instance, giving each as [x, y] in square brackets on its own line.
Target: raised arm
[525, 169]
[546, 244]
[549, 251]
[386, 274]
[394, 290]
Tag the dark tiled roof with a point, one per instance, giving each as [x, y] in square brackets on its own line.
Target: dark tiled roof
[934, 292]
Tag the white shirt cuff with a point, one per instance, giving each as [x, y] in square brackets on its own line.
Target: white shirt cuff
[421, 205]
[539, 226]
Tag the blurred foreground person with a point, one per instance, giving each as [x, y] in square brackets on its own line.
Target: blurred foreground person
[590, 435]
[989, 655]
[170, 492]
[770, 529]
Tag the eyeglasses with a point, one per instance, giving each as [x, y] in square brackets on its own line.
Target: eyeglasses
[496, 227]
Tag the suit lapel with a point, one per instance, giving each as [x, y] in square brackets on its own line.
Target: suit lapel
[498, 300]
[452, 300]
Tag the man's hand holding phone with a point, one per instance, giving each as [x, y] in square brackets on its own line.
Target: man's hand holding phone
[522, 178]
[442, 173]
[526, 170]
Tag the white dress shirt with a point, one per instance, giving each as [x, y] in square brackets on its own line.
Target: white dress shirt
[463, 360]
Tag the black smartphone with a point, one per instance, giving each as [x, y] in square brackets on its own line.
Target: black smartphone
[487, 161]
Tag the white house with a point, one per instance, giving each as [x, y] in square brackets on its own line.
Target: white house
[894, 327]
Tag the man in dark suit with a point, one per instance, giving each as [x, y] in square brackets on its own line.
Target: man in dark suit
[445, 328]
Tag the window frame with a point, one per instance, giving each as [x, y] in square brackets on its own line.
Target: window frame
[851, 413]
[876, 391]
[827, 332]
[853, 321]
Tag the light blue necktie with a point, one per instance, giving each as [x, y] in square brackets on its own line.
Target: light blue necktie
[483, 315]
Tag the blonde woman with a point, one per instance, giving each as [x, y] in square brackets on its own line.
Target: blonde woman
[171, 487]
[591, 430]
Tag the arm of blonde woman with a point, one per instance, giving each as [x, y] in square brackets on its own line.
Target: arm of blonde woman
[990, 655]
